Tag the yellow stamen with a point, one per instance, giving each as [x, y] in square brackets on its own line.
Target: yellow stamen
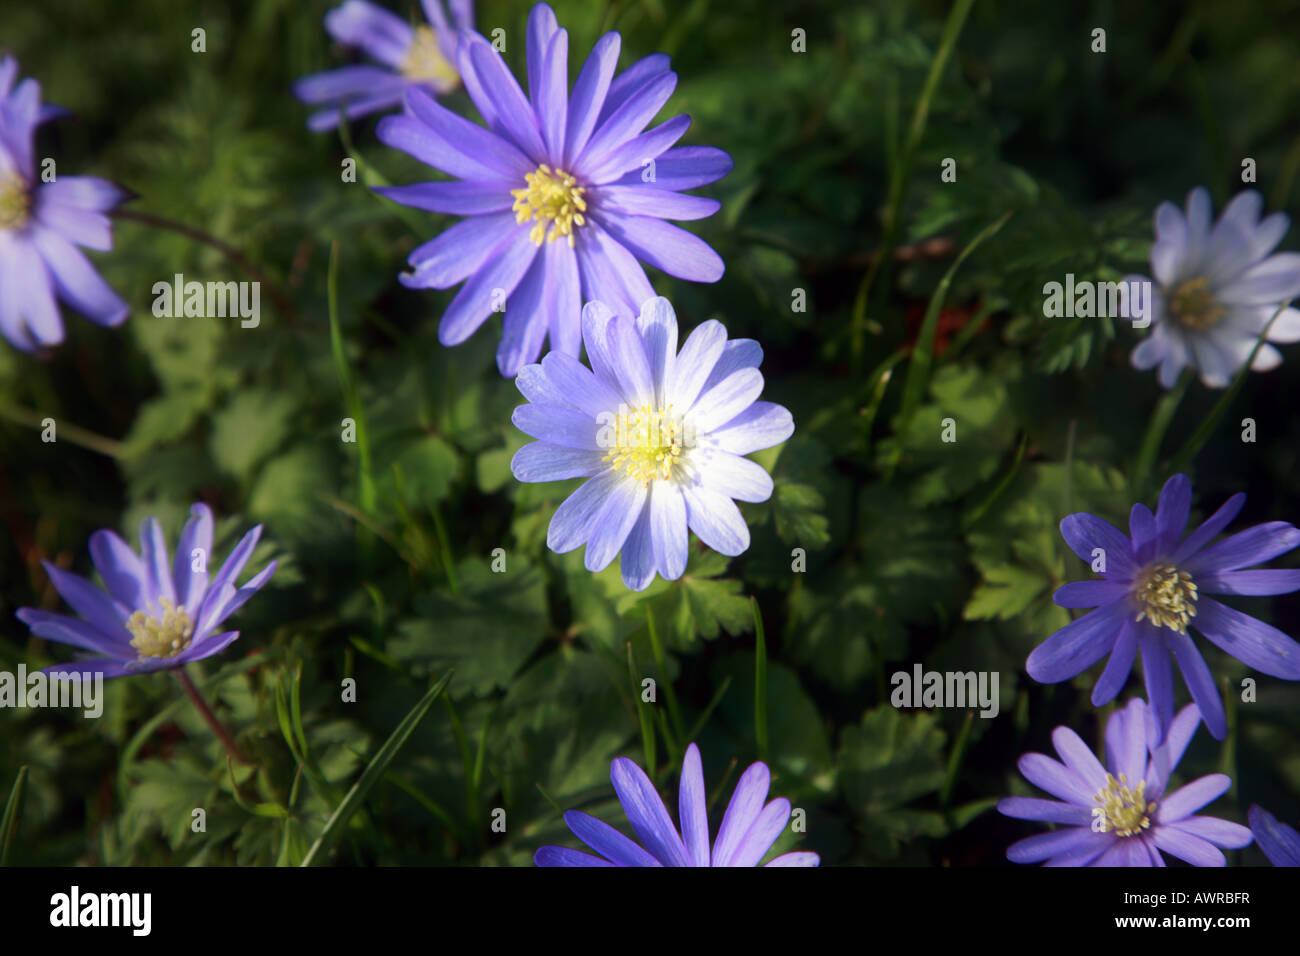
[1122, 809]
[424, 62]
[551, 196]
[1193, 306]
[165, 635]
[646, 443]
[1167, 597]
[15, 200]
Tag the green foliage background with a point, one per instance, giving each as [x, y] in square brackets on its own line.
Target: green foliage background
[917, 550]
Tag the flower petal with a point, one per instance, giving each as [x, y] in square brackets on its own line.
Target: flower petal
[1251, 641]
[1077, 646]
[607, 841]
[647, 814]
[543, 461]
[692, 807]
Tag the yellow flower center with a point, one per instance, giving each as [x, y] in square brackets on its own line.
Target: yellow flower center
[1167, 597]
[15, 200]
[645, 443]
[160, 636]
[551, 196]
[1122, 809]
[1193, 305]
[424, 62]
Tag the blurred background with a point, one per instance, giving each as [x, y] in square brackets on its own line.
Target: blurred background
[917, 551]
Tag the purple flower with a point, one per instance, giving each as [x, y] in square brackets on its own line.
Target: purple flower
[41, 225]
[574, 167]
[661, 435]
[421, 57]
[1280, 843]
[1153, 586]
[1217, 288]
[1120, 814]
[154, 616]
[749, 827]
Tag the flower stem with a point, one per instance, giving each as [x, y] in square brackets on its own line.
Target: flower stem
[210, 718]
[278, 296]
[1155, 433]
[78, 436]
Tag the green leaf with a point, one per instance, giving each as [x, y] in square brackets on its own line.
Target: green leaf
[250, 427]
[12, 814]
[798, 512]
[372, 774]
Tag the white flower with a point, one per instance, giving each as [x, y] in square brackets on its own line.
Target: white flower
[1216, 289]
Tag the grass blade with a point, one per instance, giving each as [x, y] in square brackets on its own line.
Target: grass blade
[13, 810]
[372, 774]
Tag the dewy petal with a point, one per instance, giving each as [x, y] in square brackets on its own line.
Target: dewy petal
[724, 401]
[477, 144]
[478, 297]
[551, 101]
[1045, 811]
[1056, 778]
[527, 317]
[572, 523]
[629, 119]
[692, 807]
[609, 273]
[1188, 847]
[77, 282]
[700, 353]
[1189, 798]
[1202, 536]
[668, 530]
[1077, 646]
[1200, 682]
[760, 426]
[543, 461]
[1251, 641]
[86, 635]
[194, 547]
[665, 246]
[589, 94]
[637, 560]
[541, 28]
[1090, 593]
[657, 327]
[1040, 847]
[647, 814]
[685, 167]
[120, 567]
[455, 197]
[736, 477]
[1078, 757]
[607, 841]
[1165, 758]
[1126, 742]
[1158, 674]
[457, 252]
[1263, 581]
[381, 34]
[716, 520]
[563, 856]
[86, 599]
[559, 426]
[762, 834]
[639, 155]
[1279, 842]
[797, 858]
[635, 77]
[1252, 546]
[742, 811]
[1172, 512]
[514, 119]
[1118, 666]
[1084, 533]
[613, 524]
[1221, 833]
